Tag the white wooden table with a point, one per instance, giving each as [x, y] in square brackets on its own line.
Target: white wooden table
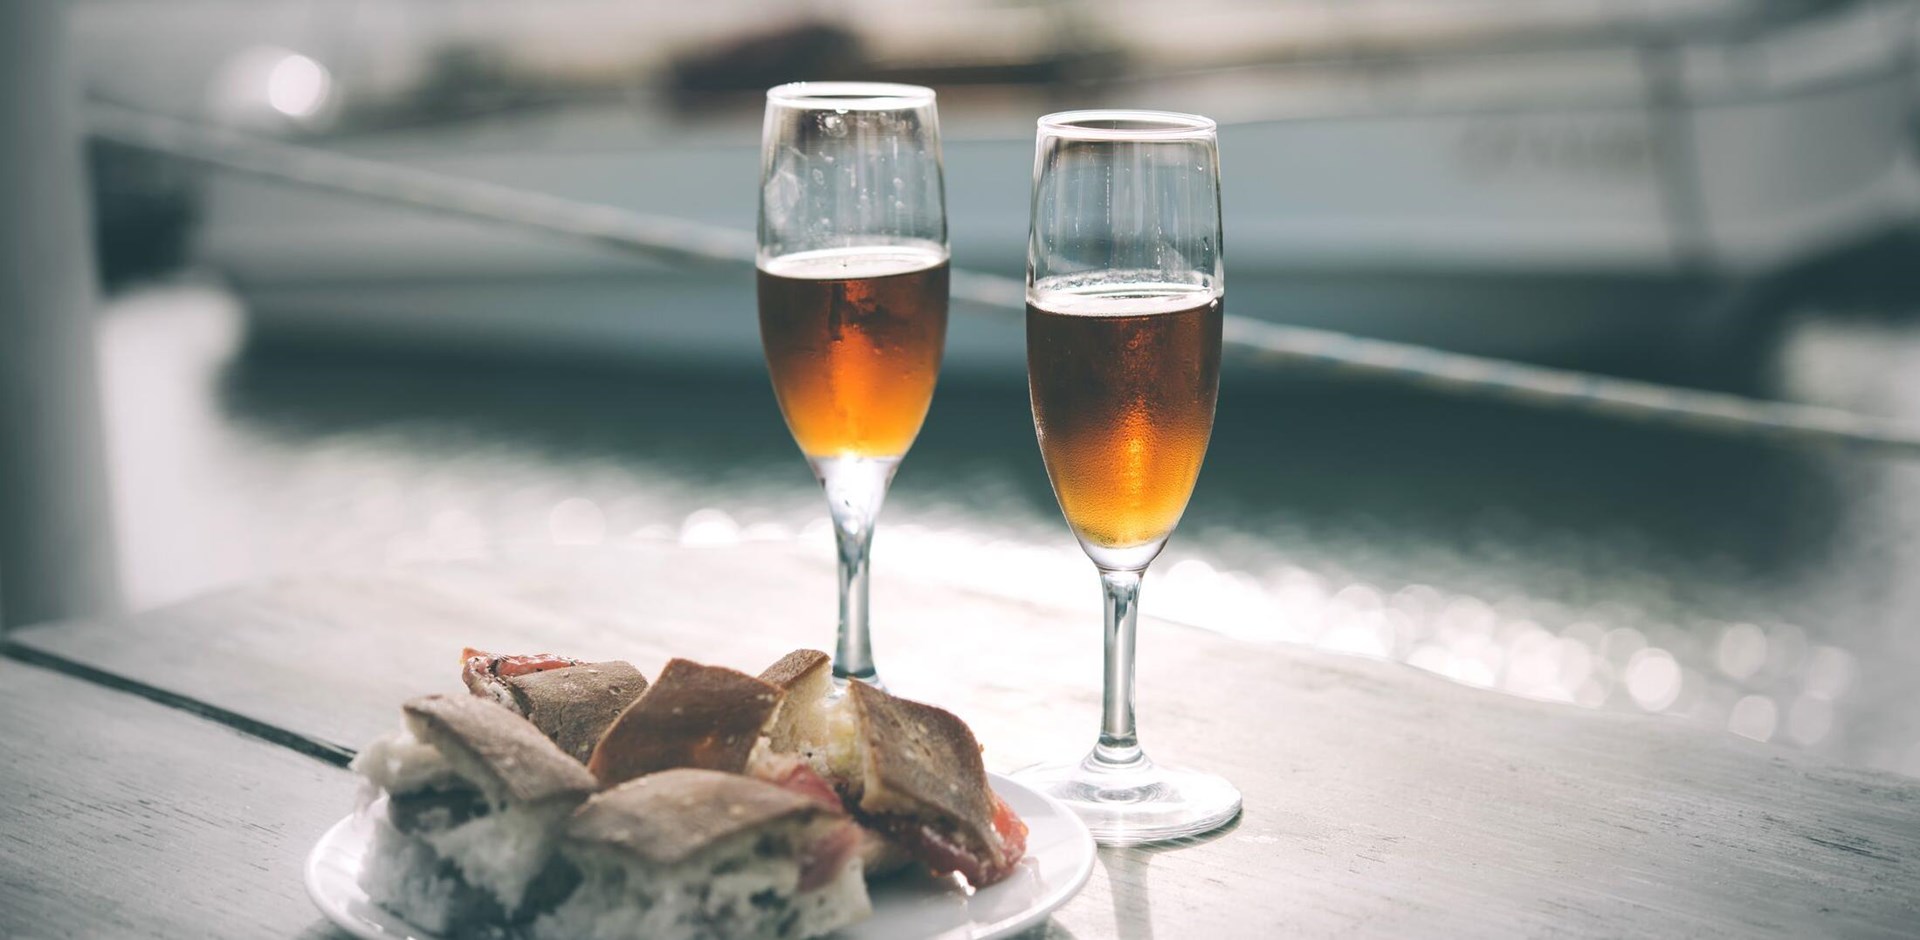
[168, 772]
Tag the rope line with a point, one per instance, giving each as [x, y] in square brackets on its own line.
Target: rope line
[685, 242]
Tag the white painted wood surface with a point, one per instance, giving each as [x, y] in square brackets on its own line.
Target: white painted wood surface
[121, 818]
[1379, 800]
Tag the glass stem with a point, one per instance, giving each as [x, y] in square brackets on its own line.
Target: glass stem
[856, 487]
[1119, 746]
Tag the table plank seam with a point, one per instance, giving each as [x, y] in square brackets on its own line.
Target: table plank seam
[324, 751]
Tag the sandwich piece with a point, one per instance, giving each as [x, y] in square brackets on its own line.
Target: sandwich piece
[707, 718]
[908, 771]
[791, 758]
[703, 717]
[480, 665]
[475, 796]
[686, 854]
[805, 679]
[569, 701]
[921, 781]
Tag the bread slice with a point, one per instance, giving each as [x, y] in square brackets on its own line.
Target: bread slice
[486, 674]
[475, 796]
[800, 666]
[569, 701]
[575, 705]
[705, 717]
[919, 760]
[404, 874]
[497, 750]
[912, 772]
[806, 678]
[672, 816]
[699, 854]
[819, 730]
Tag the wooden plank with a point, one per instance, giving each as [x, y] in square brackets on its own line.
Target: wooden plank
[1379, 799]
[122, 818]
[333, 656]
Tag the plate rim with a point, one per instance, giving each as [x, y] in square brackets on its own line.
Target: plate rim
[335, 911]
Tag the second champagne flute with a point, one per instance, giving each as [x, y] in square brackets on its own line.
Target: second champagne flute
[1125, 288]
[853, 300]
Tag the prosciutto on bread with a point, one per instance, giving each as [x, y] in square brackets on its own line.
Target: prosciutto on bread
[570, 701]
[909, 771]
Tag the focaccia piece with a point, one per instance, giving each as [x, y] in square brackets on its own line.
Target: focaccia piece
[475, 796]
[503, 753]
[686, 854]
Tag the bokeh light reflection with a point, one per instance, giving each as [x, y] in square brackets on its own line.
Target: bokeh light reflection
[576, 521]
[1653, 679]
[1754, 716]
[1595, 656]
[1764, 682]
[298, 87]
[1742, 650]
[1829, 672]
[709, 528]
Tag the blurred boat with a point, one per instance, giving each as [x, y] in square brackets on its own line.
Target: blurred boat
[1599, 192]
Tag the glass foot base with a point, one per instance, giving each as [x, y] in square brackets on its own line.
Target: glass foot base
[1128, 804]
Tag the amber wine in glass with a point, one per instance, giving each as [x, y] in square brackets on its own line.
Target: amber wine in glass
[1125, 293]
[853, 300]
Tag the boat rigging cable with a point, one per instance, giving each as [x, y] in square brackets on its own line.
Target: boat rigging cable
[686, 242]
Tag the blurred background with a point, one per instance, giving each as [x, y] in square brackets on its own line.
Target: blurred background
[387, 282]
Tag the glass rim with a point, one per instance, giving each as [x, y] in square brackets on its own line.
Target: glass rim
[1156, 125]
[851, 96]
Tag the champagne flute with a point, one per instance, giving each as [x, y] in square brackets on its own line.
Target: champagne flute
[1124, 303]
[853, 300]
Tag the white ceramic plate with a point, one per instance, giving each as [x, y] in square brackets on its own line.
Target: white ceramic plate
[1059, 859]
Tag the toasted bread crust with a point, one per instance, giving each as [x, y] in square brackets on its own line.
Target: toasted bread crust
[671, 816]
[923, 761]
[795, 666]
[706, 717]
[525, 766]
[574, 705]
[806, 676]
